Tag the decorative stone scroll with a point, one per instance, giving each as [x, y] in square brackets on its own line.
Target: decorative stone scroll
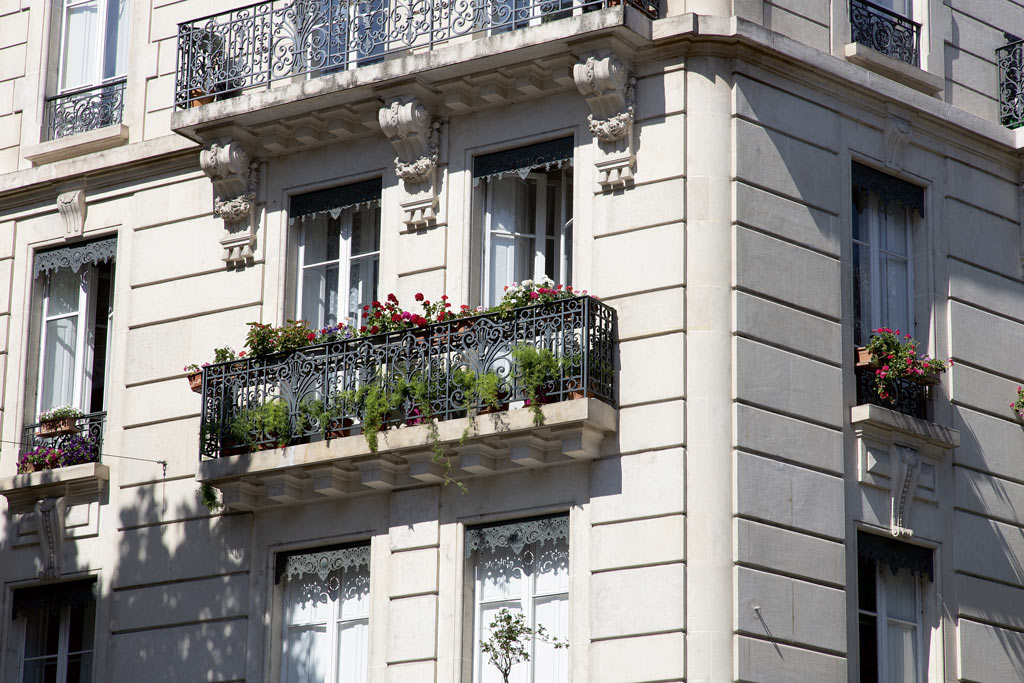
[235, 177]
[71, 206]
[896, 137]
[518, 535]
[608, 86]
[324, 562]
[415, 135]
[906, 466]
[50, 529]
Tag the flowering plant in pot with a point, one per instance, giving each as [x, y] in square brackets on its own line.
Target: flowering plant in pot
[1018, 405]
[195, 372]
[39, 459]
[59, 420]
[894, 358]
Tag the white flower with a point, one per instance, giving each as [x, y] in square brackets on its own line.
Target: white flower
[527, 283]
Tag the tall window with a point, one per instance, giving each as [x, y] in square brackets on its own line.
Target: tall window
[890, 582]
[325, 614]
[74, 286]
[338, 253]
[524, 199]
[883, 274]
[94, 43]
[523, 567]
[57, 622]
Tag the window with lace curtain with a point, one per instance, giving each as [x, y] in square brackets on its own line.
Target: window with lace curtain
[521, 566]
[325, 614]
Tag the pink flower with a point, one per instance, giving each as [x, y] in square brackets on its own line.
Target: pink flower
[419, 296]
[534, 295]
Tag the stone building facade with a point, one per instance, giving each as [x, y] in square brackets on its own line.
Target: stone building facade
[715, 493]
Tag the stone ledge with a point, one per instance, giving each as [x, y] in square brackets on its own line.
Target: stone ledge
[572, 430]
[77, 144]
[922, 430]
[907, 74]
[23, 490]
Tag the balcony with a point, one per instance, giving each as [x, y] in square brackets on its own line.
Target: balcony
[90, 426]
[223, 54]
[885, 31]
[80, 111]
[1010, 60]
[909, 398]
[296, 426]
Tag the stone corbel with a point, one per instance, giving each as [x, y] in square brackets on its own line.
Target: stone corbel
[608, 87]
[906, 466]
[71, 206]
[235, 177]
[896, 137]
[414, 133]
[50, 530]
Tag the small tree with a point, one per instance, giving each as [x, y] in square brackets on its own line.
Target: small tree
[510, 641]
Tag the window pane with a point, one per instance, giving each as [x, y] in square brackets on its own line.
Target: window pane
[58, 384]
[901, 653]
[892, 270]
[894, 234]
[42, 633]
[868, 648]
[488, 672]
[115, 57]
[81, 622]
[362, 287]
[550, 664]
[64, 291]
[900, 595]
[79, 55]
[366, 231]
[320, 239]
[500, 576]
[41, 671]
[866, 596]
[352, 649]
[861, 293]
[305, 655]
[80, 668]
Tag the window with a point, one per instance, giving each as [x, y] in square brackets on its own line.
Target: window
[57, 622]
[325, 614]
[890, 588]
[74, 291]
[524, 199]
[93, 61]
[338, 253]
[523, 567]
[883, 273]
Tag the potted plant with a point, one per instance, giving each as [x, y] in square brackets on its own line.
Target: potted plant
[893, 358]
[38, 459]
[510, 640]
[1018, 405]
[482, 393]
[534, 368]
[195, 372]
[59, 420]
[268, 422]
[78, 450]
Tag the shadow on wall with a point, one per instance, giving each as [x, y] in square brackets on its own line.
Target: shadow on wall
[180, 589]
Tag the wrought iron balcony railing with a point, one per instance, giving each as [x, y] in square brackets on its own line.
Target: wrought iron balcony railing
[321, 390]
[909, 398]
[885, 31]
[82, 110]
[1010, 60]
[222, 54]
[90, 426]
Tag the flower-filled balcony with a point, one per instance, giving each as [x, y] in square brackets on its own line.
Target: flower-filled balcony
[889, 374]
[254, 46]
[511, 387]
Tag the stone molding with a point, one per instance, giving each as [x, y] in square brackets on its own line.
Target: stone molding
[414, 132]
[235, 177]
[50, 529]
[903, 456]
[71, 206]
[896, 137]
[608, 86]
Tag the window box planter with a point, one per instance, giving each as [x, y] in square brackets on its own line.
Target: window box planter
[58, 427]
[863, 362]
[195, 381]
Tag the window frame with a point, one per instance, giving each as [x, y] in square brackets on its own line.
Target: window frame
[20, 631]
[474, 660]
[96, 79]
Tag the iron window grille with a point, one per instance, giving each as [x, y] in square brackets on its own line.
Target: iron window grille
[580, 332]
[1010, 60]
[885, 31]
[224, 53]
[78, 111]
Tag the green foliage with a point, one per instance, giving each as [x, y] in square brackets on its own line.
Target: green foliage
[477, 389]
[509, 642]
[895, 358]
[267, 422]
[208, 496]
[535, 368]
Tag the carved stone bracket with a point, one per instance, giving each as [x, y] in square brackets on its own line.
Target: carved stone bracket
[608, 87]
[71, 206]
[235, 179]
[414, 133]
[896, 137]
[906, 467]
[50, 528]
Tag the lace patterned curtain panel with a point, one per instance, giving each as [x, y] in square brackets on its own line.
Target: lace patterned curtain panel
[74, 257]
[517, 535]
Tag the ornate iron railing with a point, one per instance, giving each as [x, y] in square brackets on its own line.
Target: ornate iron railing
[909, 398]
[886, 31]
[79, 111]
[317, 391]
[90, 426]
[1010, 60]
[222, 54]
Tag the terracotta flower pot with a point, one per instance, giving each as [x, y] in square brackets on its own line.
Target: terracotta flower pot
[58, 427]
[195, 381]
